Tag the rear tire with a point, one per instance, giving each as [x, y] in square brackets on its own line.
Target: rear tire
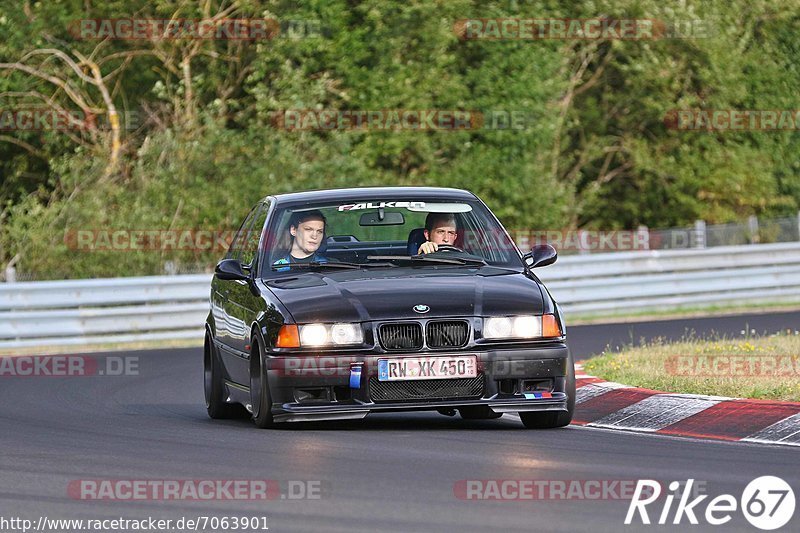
[214, 388]
[555, 419]
[260, 399]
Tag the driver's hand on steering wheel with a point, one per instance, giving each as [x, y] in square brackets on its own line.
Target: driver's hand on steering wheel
[428, 248]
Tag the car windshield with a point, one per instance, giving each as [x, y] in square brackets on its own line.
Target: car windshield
[380, 233]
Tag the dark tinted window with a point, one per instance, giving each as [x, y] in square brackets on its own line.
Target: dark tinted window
[235, 251]
[253, 235]
[355, 230]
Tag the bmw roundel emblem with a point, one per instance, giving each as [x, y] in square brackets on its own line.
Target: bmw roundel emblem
[421, 308]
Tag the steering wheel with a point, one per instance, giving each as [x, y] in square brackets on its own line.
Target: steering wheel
[449, 248]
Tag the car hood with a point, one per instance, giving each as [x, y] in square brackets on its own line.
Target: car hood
[380, 295]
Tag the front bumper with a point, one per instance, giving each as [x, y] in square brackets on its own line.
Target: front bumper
[327, 378]
[292, 412]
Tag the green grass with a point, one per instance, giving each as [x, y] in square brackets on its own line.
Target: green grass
[104, 347]
[680, 312]
[752, 367]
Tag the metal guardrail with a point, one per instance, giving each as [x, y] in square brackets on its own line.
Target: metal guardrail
[52, 313]
[674, 278]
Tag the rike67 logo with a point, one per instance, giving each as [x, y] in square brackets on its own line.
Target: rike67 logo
[767, 503]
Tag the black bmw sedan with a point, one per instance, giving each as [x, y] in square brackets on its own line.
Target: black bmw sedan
[339, 303]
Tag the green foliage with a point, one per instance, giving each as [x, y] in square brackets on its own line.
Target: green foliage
[594, 152]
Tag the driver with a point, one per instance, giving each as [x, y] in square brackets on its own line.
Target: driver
[307, 230]
[440, 228]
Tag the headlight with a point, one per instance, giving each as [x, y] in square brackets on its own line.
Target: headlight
[313, 335]
[346, 334]
[527, 327]
[330, 334]
[497, 328]
[520, 327]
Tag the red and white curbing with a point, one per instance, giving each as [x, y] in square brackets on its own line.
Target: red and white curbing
[612, 405]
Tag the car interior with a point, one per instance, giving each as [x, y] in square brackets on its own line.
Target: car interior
[346, 247]
[349, 248]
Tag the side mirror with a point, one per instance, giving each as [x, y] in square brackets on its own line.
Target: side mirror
[541, 255]
[231, 270]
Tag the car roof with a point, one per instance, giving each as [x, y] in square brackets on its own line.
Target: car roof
[374, 194]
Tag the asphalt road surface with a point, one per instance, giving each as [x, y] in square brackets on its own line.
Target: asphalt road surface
[402, 472]
[593, 339]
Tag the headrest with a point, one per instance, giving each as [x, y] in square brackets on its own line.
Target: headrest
[415, 239]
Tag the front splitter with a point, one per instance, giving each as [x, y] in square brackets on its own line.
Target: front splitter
[293, 412]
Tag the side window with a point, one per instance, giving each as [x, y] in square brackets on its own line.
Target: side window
[235, 251]
[251, 240]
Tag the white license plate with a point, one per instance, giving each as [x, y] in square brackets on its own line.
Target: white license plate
[411, 368]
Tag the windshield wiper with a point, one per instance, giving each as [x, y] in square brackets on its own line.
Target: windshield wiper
[428, 259]
[317, 265]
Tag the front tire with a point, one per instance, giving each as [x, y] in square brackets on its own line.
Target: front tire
[556, 419]
[213, 385]
[260, 399]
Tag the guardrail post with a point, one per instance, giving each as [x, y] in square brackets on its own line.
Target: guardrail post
[752, 228]
[583, 242]
[798, 225]
[642, 239]
[11, 273]
[699, 234]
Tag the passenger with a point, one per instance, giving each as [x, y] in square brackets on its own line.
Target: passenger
[440, 228]
[307, 232]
